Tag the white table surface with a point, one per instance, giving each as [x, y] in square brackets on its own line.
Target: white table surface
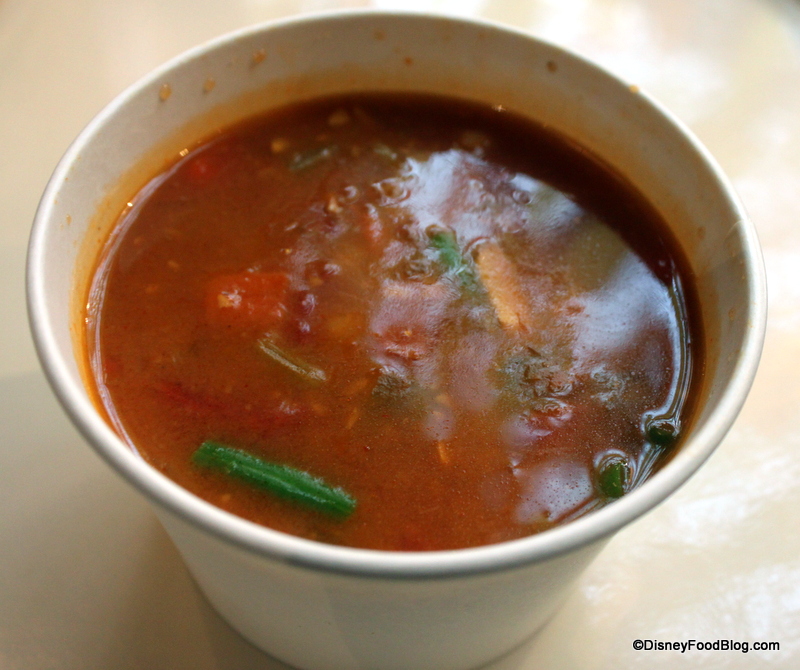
[90, 581]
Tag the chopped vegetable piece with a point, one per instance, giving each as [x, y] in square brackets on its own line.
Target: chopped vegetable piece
[529, 375]
[290, 362]
[282, 480]
[442, 450]
[475, 141]
[306, 159]
[499, 277]
[444, 241]
[391, 385]
[384, 150]
[613, 478]
[449, 253]
[662, 431]
[351, 420]
[247, 299]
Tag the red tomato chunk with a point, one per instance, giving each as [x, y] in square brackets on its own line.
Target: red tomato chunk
[247, 300]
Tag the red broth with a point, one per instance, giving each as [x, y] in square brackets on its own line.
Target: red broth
[464, 321]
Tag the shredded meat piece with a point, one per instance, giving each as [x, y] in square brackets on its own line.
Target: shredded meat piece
[499, 277]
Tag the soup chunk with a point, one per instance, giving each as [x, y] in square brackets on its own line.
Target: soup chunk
[396, 322]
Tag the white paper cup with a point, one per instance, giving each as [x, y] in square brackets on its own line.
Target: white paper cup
[327, 607]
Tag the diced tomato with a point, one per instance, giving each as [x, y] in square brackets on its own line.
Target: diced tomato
[247, 300]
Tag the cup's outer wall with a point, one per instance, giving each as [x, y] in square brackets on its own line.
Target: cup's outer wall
[325, 621]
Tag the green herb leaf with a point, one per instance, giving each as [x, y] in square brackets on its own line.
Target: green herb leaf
[450, 256]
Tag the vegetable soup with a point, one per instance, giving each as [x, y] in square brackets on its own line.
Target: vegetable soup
[395, 321]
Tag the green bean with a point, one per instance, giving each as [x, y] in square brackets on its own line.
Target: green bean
[282, 480]
[613, 478]
[662, 431]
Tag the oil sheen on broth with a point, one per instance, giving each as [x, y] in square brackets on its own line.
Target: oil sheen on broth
[466, 323]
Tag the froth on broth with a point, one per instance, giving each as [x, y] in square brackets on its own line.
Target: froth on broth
[397, 322]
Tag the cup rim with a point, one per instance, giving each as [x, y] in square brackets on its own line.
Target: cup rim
[266, 542]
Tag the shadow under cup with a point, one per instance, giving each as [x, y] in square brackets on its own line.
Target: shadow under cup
[326, 607]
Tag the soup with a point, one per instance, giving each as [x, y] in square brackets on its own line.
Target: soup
[397, 322]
